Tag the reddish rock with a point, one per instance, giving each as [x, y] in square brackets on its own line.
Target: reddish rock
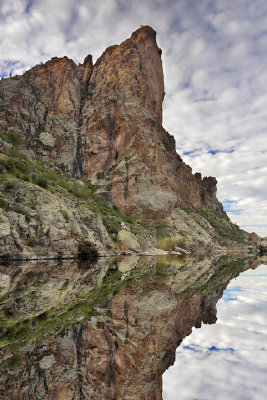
[104, 122]
[255, 239]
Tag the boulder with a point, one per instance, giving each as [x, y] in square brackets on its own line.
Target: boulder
[127, 241]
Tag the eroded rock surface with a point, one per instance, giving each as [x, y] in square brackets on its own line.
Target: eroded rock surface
[104, 122]
[40, 224]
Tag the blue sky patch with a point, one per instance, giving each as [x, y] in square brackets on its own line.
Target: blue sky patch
[214, 151]
[28, 6]
[227, 349]
[228, 207]
[233, 289]
[9, 66]
[193, 348]
[188, 153]
[258, 226]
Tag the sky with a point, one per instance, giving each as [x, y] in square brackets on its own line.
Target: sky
[226, 360]
[214, 60]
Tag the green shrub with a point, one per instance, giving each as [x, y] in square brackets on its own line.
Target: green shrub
[112, 224]
[3, 203]
[12, 362]
[129, 219]
[32, 240]
[19, 210]
[227, 232]
[38, 217]
[65, 285]
[7, 164]
[12, 138]
[161, 226]
[169, 243]
[8, 185]
[21, 165]
[23, 177]
[65, 215]
[41, 181]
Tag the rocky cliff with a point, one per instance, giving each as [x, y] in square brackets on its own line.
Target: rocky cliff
[83, 145]
[103, 122]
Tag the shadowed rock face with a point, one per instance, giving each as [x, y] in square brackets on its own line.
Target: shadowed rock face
[104, 122]
[44, 105]
[94, 332]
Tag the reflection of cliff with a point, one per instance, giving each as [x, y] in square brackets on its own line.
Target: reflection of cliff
[118, 325]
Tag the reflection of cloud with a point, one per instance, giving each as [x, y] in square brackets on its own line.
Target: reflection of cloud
[230, 299]
[230, 361]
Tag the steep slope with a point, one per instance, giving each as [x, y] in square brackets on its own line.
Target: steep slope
[104, 122]
[45, 213]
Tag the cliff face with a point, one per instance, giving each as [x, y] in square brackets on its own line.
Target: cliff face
[43, 106]
[104, 122]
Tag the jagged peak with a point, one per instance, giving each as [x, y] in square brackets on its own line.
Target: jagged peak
[145, 31]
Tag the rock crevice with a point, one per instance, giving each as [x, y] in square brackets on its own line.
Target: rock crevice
[90, 119]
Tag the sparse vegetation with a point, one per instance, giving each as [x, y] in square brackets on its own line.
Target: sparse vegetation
[227, 231]
[161, 226]
[32, 241]
[17, 333]
[12, 138]
[171, 260]
[170, 243]
[12, 362]
[3, 203]
[65, 215]
[41, 181]
[16, 167]
[19, 210]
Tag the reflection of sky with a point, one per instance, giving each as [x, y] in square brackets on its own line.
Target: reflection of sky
[227, 360]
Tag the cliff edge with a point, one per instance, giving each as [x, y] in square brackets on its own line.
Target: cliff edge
[99, 125]
[103, 122]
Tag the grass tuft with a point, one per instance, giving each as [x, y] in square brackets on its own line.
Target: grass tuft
[170, 243]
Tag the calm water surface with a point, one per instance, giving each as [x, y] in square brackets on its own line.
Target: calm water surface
[109, 329]
[227, 360]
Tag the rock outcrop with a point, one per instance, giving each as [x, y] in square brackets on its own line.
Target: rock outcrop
[41, 225]
[43, 106]
[104, 122]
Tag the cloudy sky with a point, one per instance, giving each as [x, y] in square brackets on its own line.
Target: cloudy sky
[214, 60]
[226, 360]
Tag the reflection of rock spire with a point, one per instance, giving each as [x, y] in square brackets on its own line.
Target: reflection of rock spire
[116, 329]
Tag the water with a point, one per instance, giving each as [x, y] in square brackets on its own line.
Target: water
[109, 329]
[227, 360]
